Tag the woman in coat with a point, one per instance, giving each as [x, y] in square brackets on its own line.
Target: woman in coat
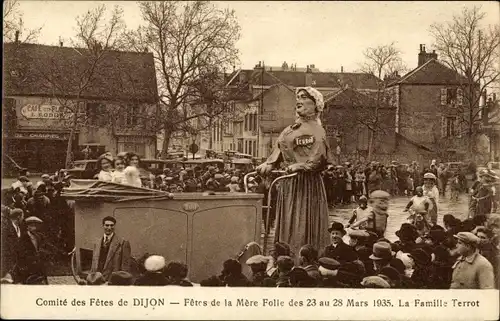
[302, 207]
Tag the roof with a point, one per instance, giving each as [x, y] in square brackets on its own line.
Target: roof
[352, 97]
[298, 78]
[119, 75]
[432, 73]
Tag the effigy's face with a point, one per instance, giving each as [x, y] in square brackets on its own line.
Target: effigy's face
[305, 106]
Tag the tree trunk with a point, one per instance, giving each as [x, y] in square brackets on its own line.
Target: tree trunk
[166, 141]
[210, 139]
[69, 148]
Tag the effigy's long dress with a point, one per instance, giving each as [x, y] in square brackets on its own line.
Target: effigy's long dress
[302, 207]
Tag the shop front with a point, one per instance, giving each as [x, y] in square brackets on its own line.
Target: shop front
[39, 151]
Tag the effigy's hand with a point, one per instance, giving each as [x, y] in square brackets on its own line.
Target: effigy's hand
[293, 168]
[264, 169]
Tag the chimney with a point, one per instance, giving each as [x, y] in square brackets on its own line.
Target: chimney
[424, 56]
[17, 35]
[341, 68]
[308, 77]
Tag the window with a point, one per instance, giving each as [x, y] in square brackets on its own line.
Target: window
[451, 95]
[450, 127]
[93, 113]
[131, 115]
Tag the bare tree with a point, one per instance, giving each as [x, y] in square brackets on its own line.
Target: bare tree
[69, 81]
[381, 61]
[186, 38]
[13, 24]
[473, 51]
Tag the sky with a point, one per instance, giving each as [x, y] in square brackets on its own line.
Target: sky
[326, 34]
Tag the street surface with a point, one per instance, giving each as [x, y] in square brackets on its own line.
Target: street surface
[343, 214]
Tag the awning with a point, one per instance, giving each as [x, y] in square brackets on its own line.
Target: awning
[89, 189]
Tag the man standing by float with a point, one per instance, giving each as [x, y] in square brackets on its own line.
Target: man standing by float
[302, 207]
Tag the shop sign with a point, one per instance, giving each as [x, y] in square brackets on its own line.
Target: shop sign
[36, 111]
[35, 135]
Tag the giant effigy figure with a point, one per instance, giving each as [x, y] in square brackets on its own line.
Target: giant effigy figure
[302, 148]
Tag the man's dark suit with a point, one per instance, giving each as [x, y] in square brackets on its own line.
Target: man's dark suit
[30, 259]
[117, 258]
[342, 252]
[10, 244]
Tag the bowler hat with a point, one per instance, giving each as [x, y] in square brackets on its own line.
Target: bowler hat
[420, 256]
[336, 226]
[329, 263]
[120, 278]
[381, 251]
[467, 237]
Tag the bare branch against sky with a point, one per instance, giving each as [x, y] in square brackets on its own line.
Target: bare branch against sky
[327, 34]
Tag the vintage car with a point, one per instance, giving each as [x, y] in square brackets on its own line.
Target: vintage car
[204, 163]
[156, 166]
[83, 169]
[243, 164]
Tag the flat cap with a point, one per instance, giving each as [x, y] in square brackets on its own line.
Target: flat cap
[257, 259]
[329, 263]
[32, 219]
[375, 282]
[154, 263]
[120, 278]
[380, 194]
[467, 237]
[45, 176]
[429, 176]
[358, 234]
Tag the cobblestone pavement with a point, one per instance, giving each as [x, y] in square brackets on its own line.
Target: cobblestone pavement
[342, 214]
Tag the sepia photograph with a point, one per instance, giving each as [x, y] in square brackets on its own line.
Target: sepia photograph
[249, 145]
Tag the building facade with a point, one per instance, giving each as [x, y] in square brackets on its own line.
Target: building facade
[51, 92]
[430, 109]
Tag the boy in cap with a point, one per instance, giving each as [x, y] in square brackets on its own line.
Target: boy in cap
[29, 259]
[472, 270]
[285, 265]
[377, 221]
[176, 274]
[363, 210]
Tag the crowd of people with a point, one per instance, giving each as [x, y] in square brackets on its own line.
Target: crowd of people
[460, 254]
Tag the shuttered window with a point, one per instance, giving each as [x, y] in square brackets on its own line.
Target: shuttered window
[443, 96]
[460, 96]
[443, 127]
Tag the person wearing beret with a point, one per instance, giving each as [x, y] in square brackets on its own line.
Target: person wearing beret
[337, 249]
[471, 270]
[154, 265]
[377, 220]
[302, 206]
[31, 252]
